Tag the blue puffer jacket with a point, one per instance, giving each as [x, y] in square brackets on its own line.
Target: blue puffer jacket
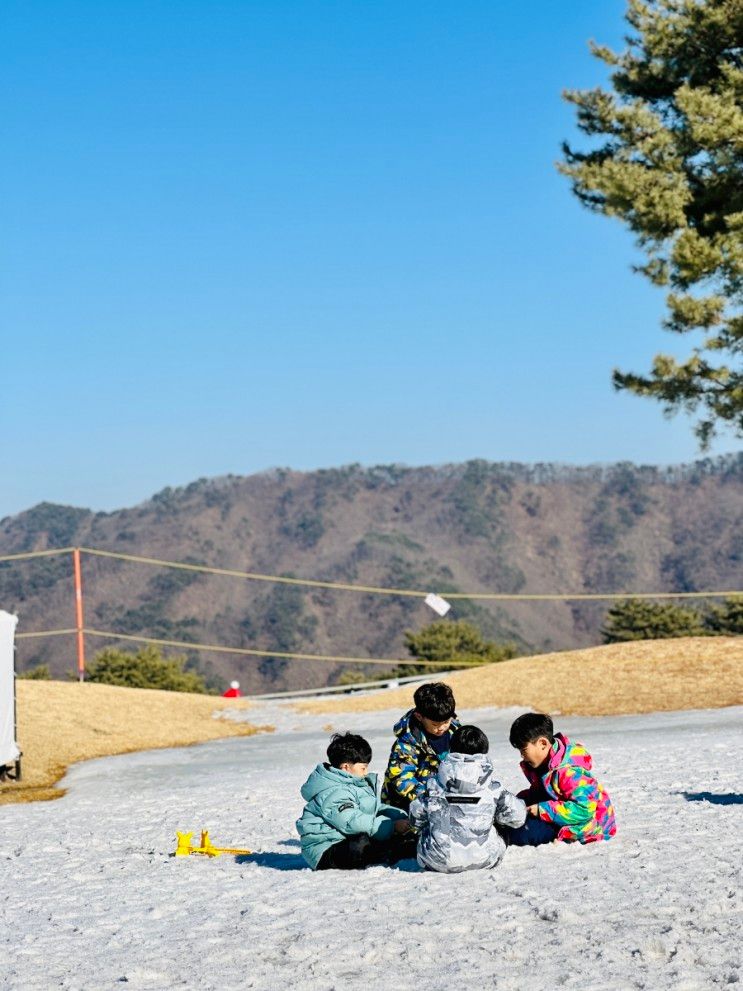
[340, 805]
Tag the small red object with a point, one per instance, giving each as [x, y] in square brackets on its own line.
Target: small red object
[233, 692]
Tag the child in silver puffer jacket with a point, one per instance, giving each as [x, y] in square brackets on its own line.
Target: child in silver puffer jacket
[456, 815]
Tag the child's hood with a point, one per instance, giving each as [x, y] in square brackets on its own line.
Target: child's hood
[403, 726]
[325, 776]
[565, 752]
[408, 727]
[465, 773]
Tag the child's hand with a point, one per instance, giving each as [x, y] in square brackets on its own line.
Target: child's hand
[401, 826]
[533, 810]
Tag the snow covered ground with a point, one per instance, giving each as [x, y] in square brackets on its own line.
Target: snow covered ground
[91, 899]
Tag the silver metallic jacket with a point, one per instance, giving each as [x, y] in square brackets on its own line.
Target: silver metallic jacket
[456, 816]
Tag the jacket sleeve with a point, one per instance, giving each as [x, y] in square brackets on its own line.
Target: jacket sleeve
[535, 789]
[391, 812]
[530, 795]
[509, 810]
[418, 813]
[579, 797]
[343, 814]
[401, 776]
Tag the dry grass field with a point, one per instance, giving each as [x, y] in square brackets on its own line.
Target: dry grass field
[60, 723]
[644, 676]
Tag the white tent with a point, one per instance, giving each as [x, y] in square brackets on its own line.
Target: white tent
[9, 751]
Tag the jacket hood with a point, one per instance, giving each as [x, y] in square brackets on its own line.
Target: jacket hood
[324, 777]
[404, 727]
[465, 773]
[407, 727]
[565, 752]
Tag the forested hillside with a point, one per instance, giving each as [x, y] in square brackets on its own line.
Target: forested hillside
[477, 526]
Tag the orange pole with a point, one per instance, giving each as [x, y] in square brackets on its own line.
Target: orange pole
[79, 614]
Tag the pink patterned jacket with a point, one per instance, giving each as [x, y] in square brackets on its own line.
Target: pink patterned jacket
[576, 802]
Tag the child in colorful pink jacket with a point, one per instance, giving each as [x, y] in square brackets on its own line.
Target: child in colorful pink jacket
[564, 798]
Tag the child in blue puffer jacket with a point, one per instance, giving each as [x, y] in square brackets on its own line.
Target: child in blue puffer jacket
[344, 825]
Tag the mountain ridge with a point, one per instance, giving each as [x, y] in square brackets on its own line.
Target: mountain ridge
[477, 525]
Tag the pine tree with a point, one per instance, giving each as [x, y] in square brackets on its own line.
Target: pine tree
[456, 643]
[726, 619]
[669, 164]
[637, 619]
[145, 669]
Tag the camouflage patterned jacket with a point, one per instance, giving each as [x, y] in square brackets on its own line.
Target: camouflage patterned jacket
[412, 761]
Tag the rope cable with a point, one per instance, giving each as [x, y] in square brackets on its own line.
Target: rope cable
[276, 653]
[43, 633]
[218, 648]
[381, 590]
[376, 589]
[26, 555]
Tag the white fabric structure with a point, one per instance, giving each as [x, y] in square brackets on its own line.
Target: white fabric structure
[8, 747]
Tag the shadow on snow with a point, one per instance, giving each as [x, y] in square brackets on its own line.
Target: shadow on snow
[708, 796]
[296, 862]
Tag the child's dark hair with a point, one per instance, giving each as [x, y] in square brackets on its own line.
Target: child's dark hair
[530, 727]
[469, 740]
[435, 700]
[348, 748]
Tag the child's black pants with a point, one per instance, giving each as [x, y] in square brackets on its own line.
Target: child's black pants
[358, 852]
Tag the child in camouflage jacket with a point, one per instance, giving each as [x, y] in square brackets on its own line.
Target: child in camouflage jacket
[422, 741]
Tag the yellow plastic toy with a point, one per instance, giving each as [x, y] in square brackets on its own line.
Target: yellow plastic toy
[206, 847]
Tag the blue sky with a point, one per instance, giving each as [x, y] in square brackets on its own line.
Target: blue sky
[246, 234]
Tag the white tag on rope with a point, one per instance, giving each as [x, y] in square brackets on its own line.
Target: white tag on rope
[439, 605]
